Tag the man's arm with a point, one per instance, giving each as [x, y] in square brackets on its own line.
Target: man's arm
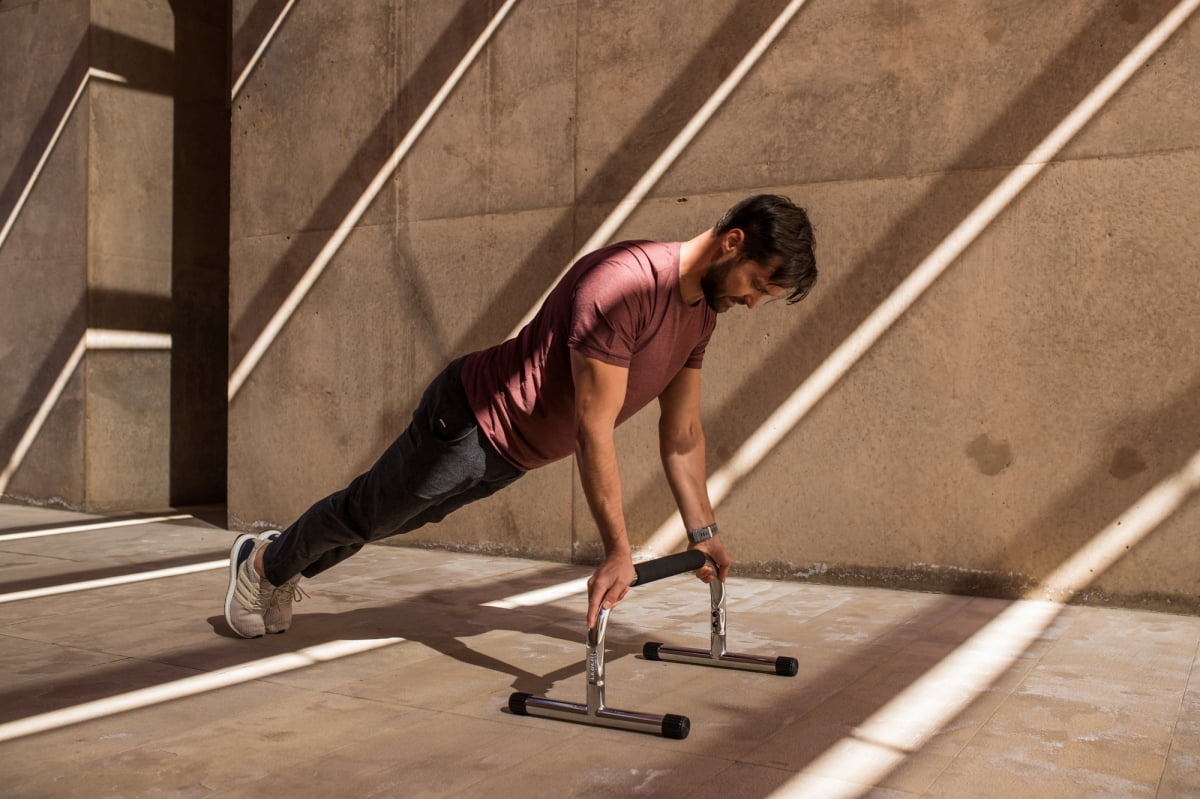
[681, 445]
[599, 395]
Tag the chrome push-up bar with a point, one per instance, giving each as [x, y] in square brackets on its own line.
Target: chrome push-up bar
[716, 654]
[670, 725]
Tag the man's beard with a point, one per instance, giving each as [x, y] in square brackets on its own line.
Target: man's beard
[712, 283]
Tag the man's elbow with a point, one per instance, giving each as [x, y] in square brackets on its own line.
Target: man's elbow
[591, 432]
[680, 439]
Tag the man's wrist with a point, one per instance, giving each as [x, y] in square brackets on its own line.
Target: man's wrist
[618, 549]
[702, 533]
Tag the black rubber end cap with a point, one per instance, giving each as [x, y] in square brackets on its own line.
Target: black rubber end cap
[650, 650]
[676, 727]
[516, 704]
[787, 667]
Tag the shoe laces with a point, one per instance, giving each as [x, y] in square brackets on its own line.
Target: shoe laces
[288, 593]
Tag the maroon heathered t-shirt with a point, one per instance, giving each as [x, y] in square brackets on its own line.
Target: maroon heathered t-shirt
[621, 305]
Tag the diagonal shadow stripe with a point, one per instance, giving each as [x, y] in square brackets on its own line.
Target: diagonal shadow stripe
[57, 357]
[145, 67]
[43, 130]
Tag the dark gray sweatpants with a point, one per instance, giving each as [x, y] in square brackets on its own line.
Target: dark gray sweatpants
[442, 462]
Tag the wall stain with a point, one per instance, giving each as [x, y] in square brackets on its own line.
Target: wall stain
[991, 457]
[1126, 462]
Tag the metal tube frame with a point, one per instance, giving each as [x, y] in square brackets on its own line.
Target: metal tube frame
[671, 726]
[595, 711]
[717, 653]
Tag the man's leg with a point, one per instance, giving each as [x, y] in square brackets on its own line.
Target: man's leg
[440, 463]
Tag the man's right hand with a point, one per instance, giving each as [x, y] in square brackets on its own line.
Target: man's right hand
[609, 584]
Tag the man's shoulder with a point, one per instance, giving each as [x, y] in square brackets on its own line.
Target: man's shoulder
[640, 257]
[646, 250]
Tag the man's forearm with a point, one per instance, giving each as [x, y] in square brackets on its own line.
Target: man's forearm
[599, 394]
[685, 467]
[596, 455]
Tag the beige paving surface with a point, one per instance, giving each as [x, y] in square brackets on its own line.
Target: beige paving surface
[395, 678]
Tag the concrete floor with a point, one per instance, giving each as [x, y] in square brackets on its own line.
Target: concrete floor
[395, 678]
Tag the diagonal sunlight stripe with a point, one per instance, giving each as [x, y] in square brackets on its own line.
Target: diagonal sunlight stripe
[540, 596]
[313, 273]
[102, 339]
[92, 72]
[634, 197]
[906, 723]
[262, 48]
[94, 339]
[190, 686]
[109, 582]
[1111, 543]
[822, 380]
[90, 526]
[43, 413]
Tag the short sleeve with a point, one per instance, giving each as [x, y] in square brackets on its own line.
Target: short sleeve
[604, 313]
[696, 359]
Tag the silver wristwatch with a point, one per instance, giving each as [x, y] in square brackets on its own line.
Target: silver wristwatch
[703, 534]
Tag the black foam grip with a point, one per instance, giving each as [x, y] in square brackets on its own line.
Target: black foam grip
[676, 727]
[516, 704]
[650, 650]
[651, 570]
[787, 667]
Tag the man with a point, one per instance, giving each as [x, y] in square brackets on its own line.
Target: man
[627, 324]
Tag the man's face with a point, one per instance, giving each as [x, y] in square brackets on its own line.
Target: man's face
[734, 280]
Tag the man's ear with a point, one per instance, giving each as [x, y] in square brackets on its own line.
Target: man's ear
[732, 240]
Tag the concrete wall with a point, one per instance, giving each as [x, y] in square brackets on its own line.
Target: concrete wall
[1042, 386]
[108, 213]
[43, 260]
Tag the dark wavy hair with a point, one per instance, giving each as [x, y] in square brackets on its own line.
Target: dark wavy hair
[775, 228]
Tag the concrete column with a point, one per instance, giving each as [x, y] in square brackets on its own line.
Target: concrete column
[44, 137]
[129, 255]
[115, 252]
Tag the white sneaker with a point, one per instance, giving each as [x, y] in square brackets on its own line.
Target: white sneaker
[249, 595]
[278, 615]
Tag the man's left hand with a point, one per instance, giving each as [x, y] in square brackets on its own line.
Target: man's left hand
[715, 550]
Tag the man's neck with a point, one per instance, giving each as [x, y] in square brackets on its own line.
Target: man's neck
[695, 256]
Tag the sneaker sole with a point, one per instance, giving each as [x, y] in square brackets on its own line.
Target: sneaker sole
[235, 560]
